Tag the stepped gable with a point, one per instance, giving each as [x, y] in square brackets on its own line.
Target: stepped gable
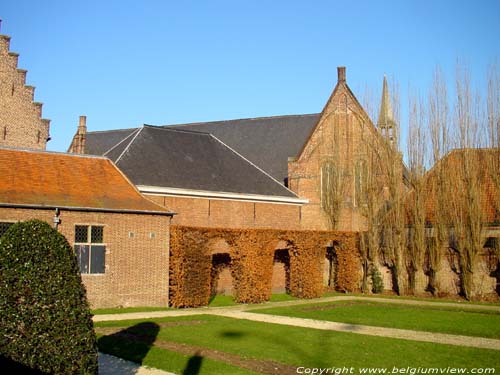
[21, 122]
[32, 178]
[177, 158]
[266, 141]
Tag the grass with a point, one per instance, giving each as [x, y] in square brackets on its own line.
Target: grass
[220, 300]
[451, 299]
[166, 360]
[123, 310]
[437, 318]
[297, 346]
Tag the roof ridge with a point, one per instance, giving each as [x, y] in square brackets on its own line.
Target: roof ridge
[166, 128]
[241, 119]
[130, 143]
[119, 143]
[254, 165]
[59, 153]
[113, 130]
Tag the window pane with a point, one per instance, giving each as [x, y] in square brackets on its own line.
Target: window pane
[96, 235]
[82, 255]
[97, 260]
[81, 233]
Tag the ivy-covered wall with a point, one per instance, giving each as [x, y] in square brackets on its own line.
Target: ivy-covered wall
[252, 254]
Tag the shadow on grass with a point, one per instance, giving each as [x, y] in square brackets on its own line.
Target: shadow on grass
[194, 365]
[132, 343]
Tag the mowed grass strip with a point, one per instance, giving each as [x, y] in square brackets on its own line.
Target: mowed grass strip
[167, 360]
[306, 347]
[459, 321]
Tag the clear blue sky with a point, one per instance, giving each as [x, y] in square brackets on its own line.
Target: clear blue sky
[125, 63]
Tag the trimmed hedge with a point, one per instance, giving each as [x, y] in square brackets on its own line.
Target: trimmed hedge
[252, 252]
[45, 321]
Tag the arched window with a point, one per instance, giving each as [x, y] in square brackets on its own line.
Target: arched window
[361, 182]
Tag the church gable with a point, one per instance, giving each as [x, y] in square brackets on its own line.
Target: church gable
[335, 154]
[21, 124]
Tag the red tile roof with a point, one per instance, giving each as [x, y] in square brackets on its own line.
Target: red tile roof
[46, 179]
[485, 169]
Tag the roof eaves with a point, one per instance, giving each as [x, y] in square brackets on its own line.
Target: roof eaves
[87, 209]
[219, 195]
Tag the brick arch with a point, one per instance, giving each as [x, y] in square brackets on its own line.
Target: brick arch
[252, 252]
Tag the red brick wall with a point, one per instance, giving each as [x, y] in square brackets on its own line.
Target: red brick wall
[21, 124]
[344, 135]
[136, 271]
[216, 213]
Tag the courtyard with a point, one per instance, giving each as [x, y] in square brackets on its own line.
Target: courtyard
[339, 334]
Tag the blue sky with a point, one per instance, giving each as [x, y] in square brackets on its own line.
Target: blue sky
[125, 63]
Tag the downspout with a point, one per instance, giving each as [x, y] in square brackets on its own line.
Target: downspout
[56, 220]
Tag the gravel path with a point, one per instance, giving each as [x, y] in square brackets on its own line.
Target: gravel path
[440, 338]
[216, 310]
[109, 365]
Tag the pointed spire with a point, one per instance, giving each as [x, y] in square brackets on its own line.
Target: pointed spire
[386, 122]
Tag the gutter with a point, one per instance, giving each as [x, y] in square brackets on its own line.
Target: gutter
[176, 192]
[86, 209]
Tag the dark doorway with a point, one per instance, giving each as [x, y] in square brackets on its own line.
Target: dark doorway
[281, 272]
[330, 267]
[221, 278]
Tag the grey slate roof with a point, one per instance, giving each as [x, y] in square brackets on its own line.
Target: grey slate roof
[179, 158]
[97, 143]
[265, 141]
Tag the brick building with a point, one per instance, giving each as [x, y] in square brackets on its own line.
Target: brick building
[292, 177]
[121, 239]
[286, 154]
[21, 122]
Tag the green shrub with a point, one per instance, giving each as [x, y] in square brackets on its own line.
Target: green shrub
[377, 281]
[45, 321]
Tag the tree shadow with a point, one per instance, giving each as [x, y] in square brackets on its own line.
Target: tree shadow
[132, 343]
[10, 366]
[193, 365]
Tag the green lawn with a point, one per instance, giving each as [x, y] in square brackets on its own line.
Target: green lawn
[288, 345]
[461, 321]
[123, 310]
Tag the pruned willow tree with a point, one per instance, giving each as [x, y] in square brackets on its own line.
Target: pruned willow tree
[451, 208]
[452, 195]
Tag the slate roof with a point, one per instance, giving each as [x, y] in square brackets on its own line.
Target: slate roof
[46, 179]
[184, 159]
[266, 141]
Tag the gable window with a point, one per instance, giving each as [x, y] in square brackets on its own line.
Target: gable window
[4, 227]
[90, 249]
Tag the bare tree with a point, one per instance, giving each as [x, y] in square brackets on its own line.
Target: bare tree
[416, 213]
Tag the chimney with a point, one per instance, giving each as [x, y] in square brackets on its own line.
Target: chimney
[341, 73]
[82, 126]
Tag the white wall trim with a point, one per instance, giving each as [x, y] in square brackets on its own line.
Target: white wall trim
[176, 192]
